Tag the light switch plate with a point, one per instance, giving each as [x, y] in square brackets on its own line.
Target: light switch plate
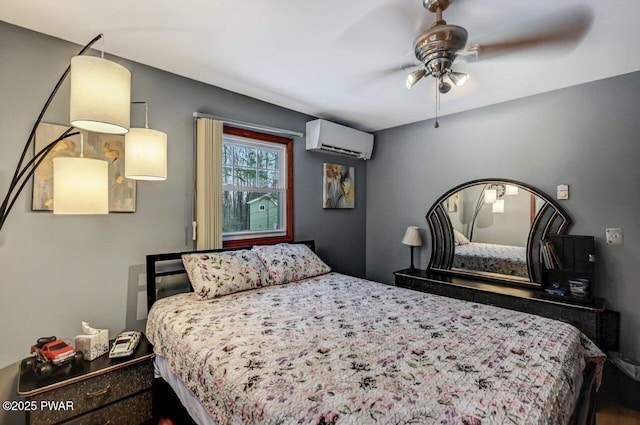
[563, 191]
[615, 236]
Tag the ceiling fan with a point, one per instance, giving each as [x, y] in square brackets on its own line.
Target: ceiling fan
[438, 47]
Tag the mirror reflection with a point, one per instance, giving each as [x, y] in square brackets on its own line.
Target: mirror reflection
[491, 225]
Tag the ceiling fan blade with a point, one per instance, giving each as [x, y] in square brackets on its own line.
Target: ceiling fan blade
[381, 75]
[556, 33]
[391, 26]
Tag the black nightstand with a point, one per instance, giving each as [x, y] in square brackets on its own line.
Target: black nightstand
[115, 391]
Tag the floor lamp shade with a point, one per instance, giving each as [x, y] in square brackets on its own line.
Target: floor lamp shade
[498, 206]
[80, 186]
[100, 95]
[145, 154]
[490, 196]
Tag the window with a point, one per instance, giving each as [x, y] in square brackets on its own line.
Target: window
[257, 187]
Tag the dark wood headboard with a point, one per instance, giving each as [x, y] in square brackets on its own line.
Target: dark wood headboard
[170, 265]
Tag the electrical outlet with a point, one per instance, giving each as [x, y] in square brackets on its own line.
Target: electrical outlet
[615, 236]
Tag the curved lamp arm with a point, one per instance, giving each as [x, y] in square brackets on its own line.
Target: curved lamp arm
[23, 173]
[476, 210]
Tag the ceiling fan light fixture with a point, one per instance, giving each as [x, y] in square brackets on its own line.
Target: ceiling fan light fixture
[414, 77]
[458, 78]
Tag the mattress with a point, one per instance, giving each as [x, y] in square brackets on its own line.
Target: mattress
[504, 259]
[335, 349]
[196, 410]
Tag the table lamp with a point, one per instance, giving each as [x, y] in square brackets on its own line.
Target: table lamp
[412, 238]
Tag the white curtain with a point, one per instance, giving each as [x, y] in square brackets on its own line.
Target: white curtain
[208, 196]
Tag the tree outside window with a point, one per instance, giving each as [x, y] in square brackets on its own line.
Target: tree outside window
[257, 187]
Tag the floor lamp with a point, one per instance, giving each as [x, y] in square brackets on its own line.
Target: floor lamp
[100, 101]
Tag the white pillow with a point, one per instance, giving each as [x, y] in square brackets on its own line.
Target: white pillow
[459, 238]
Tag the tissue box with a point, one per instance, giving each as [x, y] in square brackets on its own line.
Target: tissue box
[94, 345]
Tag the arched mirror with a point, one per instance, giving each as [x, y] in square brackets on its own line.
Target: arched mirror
[492, 229]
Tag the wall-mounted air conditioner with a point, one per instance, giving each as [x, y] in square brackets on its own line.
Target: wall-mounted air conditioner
[329, 137]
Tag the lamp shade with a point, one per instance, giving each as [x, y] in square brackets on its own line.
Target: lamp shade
[458, 78]
[490, 196]
[414, 77]
[511, 189]
[80, 186]
[145, 154]
[412, 236]
[100, 95]
[498, 206]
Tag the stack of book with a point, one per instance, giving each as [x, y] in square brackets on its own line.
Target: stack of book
[550, 257]
[579, 287]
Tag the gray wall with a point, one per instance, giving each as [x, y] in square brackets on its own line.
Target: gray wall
[56, 271]
[585, 136]
[508, 228]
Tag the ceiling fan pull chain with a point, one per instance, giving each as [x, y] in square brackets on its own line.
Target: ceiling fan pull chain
[437, 124]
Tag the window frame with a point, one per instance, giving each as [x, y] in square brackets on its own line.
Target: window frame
[252, 239]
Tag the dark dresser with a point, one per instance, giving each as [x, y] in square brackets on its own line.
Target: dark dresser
[102, 391]
[597, 323]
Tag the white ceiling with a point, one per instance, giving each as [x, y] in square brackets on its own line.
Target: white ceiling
[341, 59]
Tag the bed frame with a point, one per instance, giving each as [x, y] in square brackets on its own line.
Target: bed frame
[160, 266]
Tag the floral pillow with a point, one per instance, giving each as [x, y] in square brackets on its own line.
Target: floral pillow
[290, 262]
[214, 274]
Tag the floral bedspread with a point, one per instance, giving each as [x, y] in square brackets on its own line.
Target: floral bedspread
[505, 259]
[335, 349]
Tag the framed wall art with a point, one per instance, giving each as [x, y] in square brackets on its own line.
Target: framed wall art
[108, 147]
[338, 184]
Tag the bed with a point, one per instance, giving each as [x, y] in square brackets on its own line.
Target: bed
[311, 346]
[503, 259]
